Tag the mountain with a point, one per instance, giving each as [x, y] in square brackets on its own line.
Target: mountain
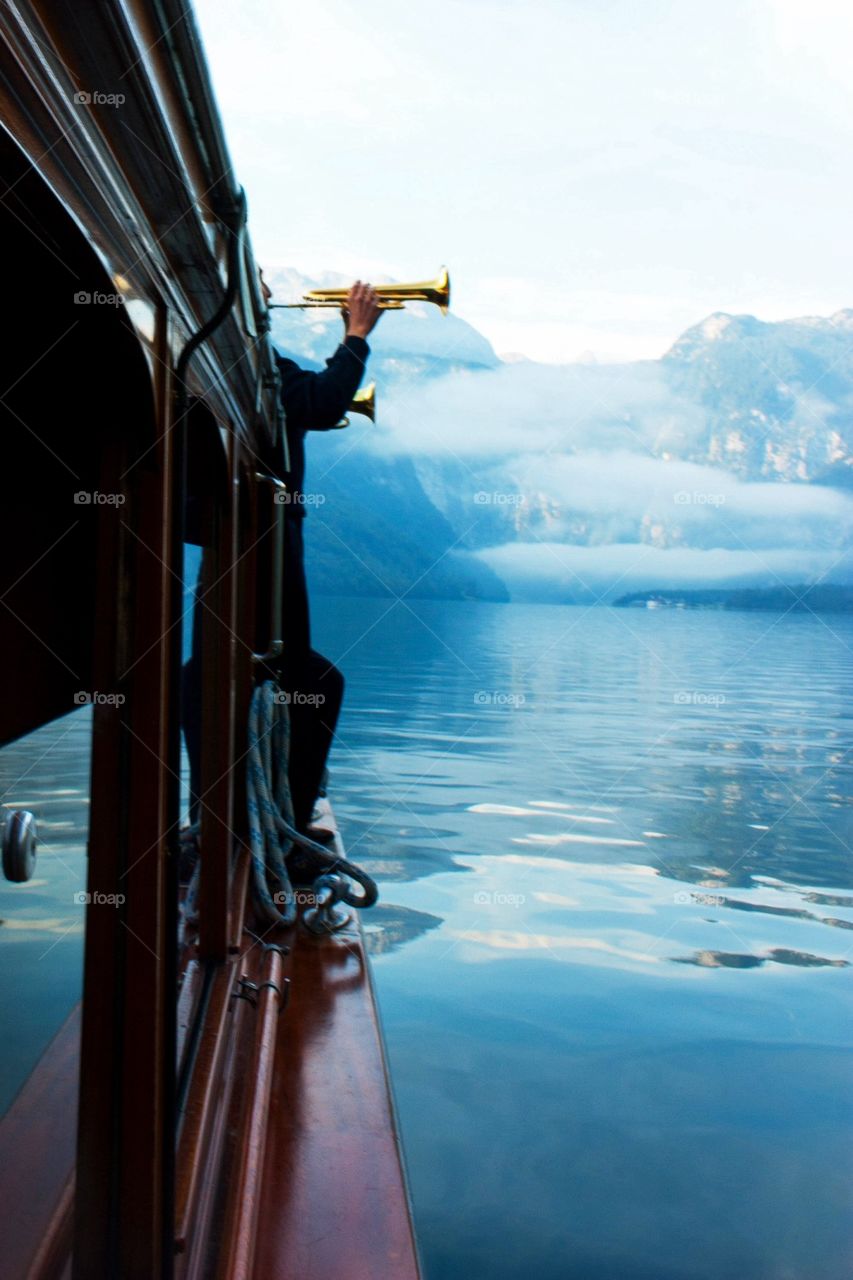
[725, 464]
[793, 380]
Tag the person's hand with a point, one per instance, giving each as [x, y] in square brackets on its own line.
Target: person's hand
[361, 311]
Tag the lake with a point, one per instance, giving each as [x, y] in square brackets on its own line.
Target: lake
[614, 940]
[613, 948]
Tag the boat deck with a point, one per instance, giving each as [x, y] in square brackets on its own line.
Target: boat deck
[289, 1163]
[334, 1200]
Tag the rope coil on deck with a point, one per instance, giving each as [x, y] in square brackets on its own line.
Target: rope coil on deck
[272, 834]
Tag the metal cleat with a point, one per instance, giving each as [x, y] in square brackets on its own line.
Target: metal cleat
[327, 916]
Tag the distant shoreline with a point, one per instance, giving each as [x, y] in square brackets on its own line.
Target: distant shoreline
[821, 598]
[795, 599]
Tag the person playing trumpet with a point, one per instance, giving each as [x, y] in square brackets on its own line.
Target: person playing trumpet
[313, 402]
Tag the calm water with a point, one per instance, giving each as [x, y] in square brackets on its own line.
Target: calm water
[613, 951]
[614, 946]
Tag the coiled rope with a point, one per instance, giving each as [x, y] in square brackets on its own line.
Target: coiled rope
[272, 834]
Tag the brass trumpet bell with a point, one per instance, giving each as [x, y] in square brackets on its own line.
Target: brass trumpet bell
[364, 402]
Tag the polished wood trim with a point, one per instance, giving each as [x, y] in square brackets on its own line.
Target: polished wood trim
[334, 1199]
[188, 1011]
[240, 896]
[243, 1203]
[37, 1137]
[194, 1160]
[54, 1253]
[204, 1243]
[220, 645]
[126, 1131]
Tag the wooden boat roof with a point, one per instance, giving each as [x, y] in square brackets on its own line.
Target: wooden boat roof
[113, 105]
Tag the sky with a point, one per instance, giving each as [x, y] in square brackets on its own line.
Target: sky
[598, 175]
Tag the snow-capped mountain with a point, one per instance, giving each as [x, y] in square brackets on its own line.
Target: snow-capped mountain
[724, 463]
[777, 398]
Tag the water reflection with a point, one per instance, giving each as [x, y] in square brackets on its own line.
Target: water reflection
[41, 932]
[795, 913]
[779, 955]
[389, 927]
[632, 1022]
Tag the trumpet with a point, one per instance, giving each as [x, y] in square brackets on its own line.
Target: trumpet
[363, 402]
[392, 297]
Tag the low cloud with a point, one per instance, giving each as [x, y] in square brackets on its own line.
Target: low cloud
[525, 407]
[543, 571]
[681, 503]
[571, 480]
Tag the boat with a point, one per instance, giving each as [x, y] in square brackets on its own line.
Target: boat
[218, 1104]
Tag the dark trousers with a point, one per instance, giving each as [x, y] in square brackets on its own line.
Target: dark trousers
[316, 689]
[314, 684]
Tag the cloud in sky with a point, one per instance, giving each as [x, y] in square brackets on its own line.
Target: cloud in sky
[598, 176]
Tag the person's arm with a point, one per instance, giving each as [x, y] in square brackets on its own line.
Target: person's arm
[318, 401]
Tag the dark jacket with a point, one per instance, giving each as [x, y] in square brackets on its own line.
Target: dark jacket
[316, 402]
[311, 402]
